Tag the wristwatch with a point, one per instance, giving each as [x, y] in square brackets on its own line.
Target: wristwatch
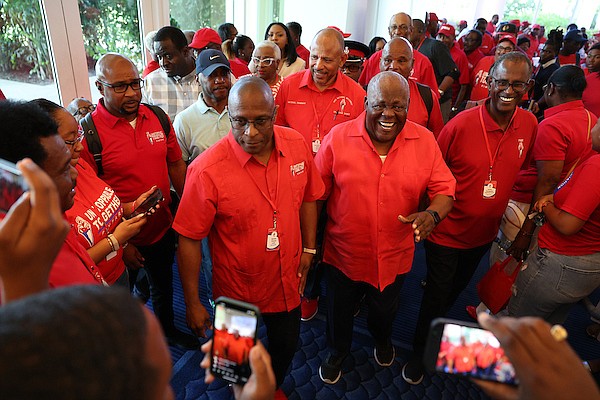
[435, 215]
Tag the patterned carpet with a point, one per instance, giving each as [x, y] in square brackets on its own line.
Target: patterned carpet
[362, 377]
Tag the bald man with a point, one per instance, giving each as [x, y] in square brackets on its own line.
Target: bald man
[255, 192]
[136, 155]
[401, 25]
[371, 230]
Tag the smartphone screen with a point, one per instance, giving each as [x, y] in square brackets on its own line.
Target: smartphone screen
[235, 326]
[459, 348]
[12, 185]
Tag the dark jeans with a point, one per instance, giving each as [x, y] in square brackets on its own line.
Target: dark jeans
[449, 271]
[342, 296]
[312, 290]
[159, 268]
[283, 331]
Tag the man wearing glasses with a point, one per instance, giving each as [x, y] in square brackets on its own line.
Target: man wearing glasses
[254, 194]
[136, 155]
[80, 107]
[485, 147]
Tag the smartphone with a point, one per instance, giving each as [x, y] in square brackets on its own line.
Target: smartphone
[151, 201]
[464, 349]
[234, 333]
[12, 185]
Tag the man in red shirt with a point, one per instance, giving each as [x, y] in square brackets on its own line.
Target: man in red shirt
[371, 229]
[136, 155]
[254, 194]
[398, 57]
[296, 32]
[401, 25]
[472, 41]
[485, 147]
[447, 36]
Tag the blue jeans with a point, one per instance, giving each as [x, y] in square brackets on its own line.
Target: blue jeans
[552, 283]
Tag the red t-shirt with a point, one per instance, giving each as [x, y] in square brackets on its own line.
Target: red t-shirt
[473, 59]
[580, 196]
[239, 67]
[417, 110]
[567, 60]
[73, 265]
[562, 136]
[474, 220]
[96, 212]
[363, 236]
[134, 160]
[479, 87]
[591, 99]
[462, 63]
[303, 53]
[422, 70]
[222, 199]
[313, 113]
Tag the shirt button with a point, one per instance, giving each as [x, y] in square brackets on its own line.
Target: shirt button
[381, 203]
[382, 175]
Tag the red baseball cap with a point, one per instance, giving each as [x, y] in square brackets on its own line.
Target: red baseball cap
[447, 30]
[508, 37]
[536, 26]
[345, 35]
[433, 16]
[203, 37]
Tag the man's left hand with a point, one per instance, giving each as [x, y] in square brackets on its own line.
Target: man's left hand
[422, 223]
[305, 263]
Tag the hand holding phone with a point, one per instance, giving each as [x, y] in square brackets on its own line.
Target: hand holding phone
[149, 204]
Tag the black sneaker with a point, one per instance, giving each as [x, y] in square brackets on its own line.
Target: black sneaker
[384, 355]
[182, 340]
[330, 370]
[412, 371]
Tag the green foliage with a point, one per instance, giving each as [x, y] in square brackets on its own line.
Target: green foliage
[189, 14]
[23, 45]
[524, 10]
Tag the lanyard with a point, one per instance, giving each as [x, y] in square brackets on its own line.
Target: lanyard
[320, 119]
[487, 142]
[271, 202]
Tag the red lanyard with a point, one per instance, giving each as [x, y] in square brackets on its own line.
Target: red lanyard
[320, 119]
[273, 203]
[487, 142]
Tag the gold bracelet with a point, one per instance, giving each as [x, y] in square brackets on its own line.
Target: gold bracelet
[112, 246]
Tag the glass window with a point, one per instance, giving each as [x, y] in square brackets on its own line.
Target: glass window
[26, 71]
[196, 14]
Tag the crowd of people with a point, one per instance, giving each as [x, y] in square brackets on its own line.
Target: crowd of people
[282, 166]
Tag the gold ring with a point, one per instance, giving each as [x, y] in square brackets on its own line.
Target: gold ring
[558, 332]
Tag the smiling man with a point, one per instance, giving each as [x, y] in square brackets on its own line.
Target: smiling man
[255, 192]
[485, 147]
[376, 169]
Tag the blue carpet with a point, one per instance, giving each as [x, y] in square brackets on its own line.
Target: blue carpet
[362, 377]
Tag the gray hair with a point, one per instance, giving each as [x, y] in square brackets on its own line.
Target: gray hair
[268, 43]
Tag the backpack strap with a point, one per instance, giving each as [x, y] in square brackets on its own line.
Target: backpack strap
[93, 141]
[165, 122]
[425, 92]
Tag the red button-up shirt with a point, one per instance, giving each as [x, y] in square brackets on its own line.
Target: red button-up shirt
[363, 236]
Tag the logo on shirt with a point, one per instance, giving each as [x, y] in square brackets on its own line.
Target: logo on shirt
[85, 229]
[155, 137]
[343, 103]
[520, 147]
[297, 169]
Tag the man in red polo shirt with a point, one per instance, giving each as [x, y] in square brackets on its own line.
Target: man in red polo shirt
[401, 25]
[254, 194]
[369, 237]
[136, 155]
[472, 41]
[398, 57]
[485, 147]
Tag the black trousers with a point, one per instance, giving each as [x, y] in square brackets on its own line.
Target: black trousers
[283, 331]
[449, 271]
[342, 296]
[159, 268]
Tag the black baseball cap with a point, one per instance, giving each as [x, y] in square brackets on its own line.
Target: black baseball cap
[209, 60]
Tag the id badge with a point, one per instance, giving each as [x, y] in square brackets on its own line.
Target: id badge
[489, 189]
[272, 240]
[316, 145]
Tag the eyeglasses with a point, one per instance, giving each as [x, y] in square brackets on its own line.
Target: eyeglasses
[243, 124]
[265, 61]
[84, 110]
[517, 86]
[354, 67]
[78, 138]
[122, 87]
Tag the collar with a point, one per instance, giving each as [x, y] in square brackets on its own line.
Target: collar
[244, 157]
[189, 78]
[308, 82]
[568, 106]
[204, 108]
[112, 120]
[491, 125]
[549, 63]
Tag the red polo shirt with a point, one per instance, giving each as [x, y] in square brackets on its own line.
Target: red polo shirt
[364, 238]
[580, 197]
[417, 110]
[562, 136]
[239, 67]
[134, 160]
[474, 220]
[73, 265]
[313, 113]
[222, 199]
[590, 98]
[422, 70]
[303, 53]
[473, 59]
[462, 63]
[479, 88]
